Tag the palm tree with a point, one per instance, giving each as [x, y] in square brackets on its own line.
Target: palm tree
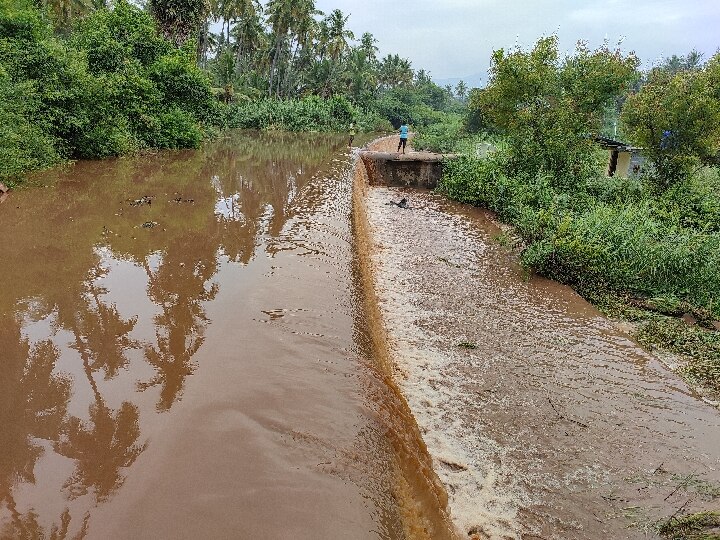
[361, 76]
[279, 19]
[395, 71]
[248, 31]
[179, 19]
[338, 34]
[367, 45]
[461, 90]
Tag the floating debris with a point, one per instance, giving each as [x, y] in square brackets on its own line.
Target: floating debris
[179, 200]
[149, 224]
[145, 199]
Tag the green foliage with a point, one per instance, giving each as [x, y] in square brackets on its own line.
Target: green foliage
[675, 118]
[611, 234]
[24, 144]
[441, 137]
[656, 237]
[700, 347]
[178, 19]
[182, 83]
[547, 108]
[19, 21]
[308, 114]
[111, 87]
[700, 526]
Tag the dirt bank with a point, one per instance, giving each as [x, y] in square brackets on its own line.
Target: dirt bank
[542, 419]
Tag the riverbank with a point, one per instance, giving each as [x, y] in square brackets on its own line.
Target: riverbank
[542, 418]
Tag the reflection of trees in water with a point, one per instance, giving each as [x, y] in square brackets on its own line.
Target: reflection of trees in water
[265, 178]
[179, 286]
[100, 448]
[103, 332]
[26, 526]
[33, 405]
[108, 442]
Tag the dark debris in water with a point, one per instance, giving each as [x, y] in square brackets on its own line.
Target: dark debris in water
[403, 203]
[149, 224]
[144, 200]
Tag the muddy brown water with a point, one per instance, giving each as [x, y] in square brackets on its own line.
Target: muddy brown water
[213, 344]
[185, 353]
[544, 420]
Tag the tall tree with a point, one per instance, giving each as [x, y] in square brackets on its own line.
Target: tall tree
[338, 34]
[461, 90]
[179, 19]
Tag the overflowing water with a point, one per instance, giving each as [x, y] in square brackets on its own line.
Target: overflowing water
[543, 419]
[246, 342]
[184, 353]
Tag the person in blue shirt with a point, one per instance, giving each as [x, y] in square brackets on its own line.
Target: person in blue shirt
[404, 129]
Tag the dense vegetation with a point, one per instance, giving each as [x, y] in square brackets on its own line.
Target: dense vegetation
[83, 80]
[111, 87]
[645, 247]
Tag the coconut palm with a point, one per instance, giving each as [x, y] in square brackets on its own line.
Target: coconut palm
[395, 71]
[338, 35]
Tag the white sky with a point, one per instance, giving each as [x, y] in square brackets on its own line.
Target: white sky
[454, 38]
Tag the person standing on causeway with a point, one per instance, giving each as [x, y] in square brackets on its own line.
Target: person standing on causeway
[404, 129]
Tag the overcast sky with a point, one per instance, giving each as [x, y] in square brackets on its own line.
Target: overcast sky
[454, 38]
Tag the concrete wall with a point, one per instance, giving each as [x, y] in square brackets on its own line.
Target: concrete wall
[415, 169]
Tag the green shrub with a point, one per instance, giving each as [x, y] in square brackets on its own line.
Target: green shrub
[24, 144]
[182, 83]
[441, 137]
[178, 129]
[606, 234]
[308, 114]
[113, 86]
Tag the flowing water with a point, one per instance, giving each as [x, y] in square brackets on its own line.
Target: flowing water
[544, 420]
[220, 344]
[185, 353]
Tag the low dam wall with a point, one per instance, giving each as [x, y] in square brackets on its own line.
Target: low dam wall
[414, 169]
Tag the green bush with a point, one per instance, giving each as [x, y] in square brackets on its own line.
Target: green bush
[113, 86]
[24, 144]
[308, 114]
[606, 234]
[441, 137]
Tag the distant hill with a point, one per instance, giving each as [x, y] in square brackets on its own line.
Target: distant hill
[472, 81]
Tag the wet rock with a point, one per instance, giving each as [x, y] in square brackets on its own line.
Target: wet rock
[403, 203]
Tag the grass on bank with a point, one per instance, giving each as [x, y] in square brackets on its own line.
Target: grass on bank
[637, 253]
[699, 526]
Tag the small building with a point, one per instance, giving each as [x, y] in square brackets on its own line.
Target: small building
[624, 160]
